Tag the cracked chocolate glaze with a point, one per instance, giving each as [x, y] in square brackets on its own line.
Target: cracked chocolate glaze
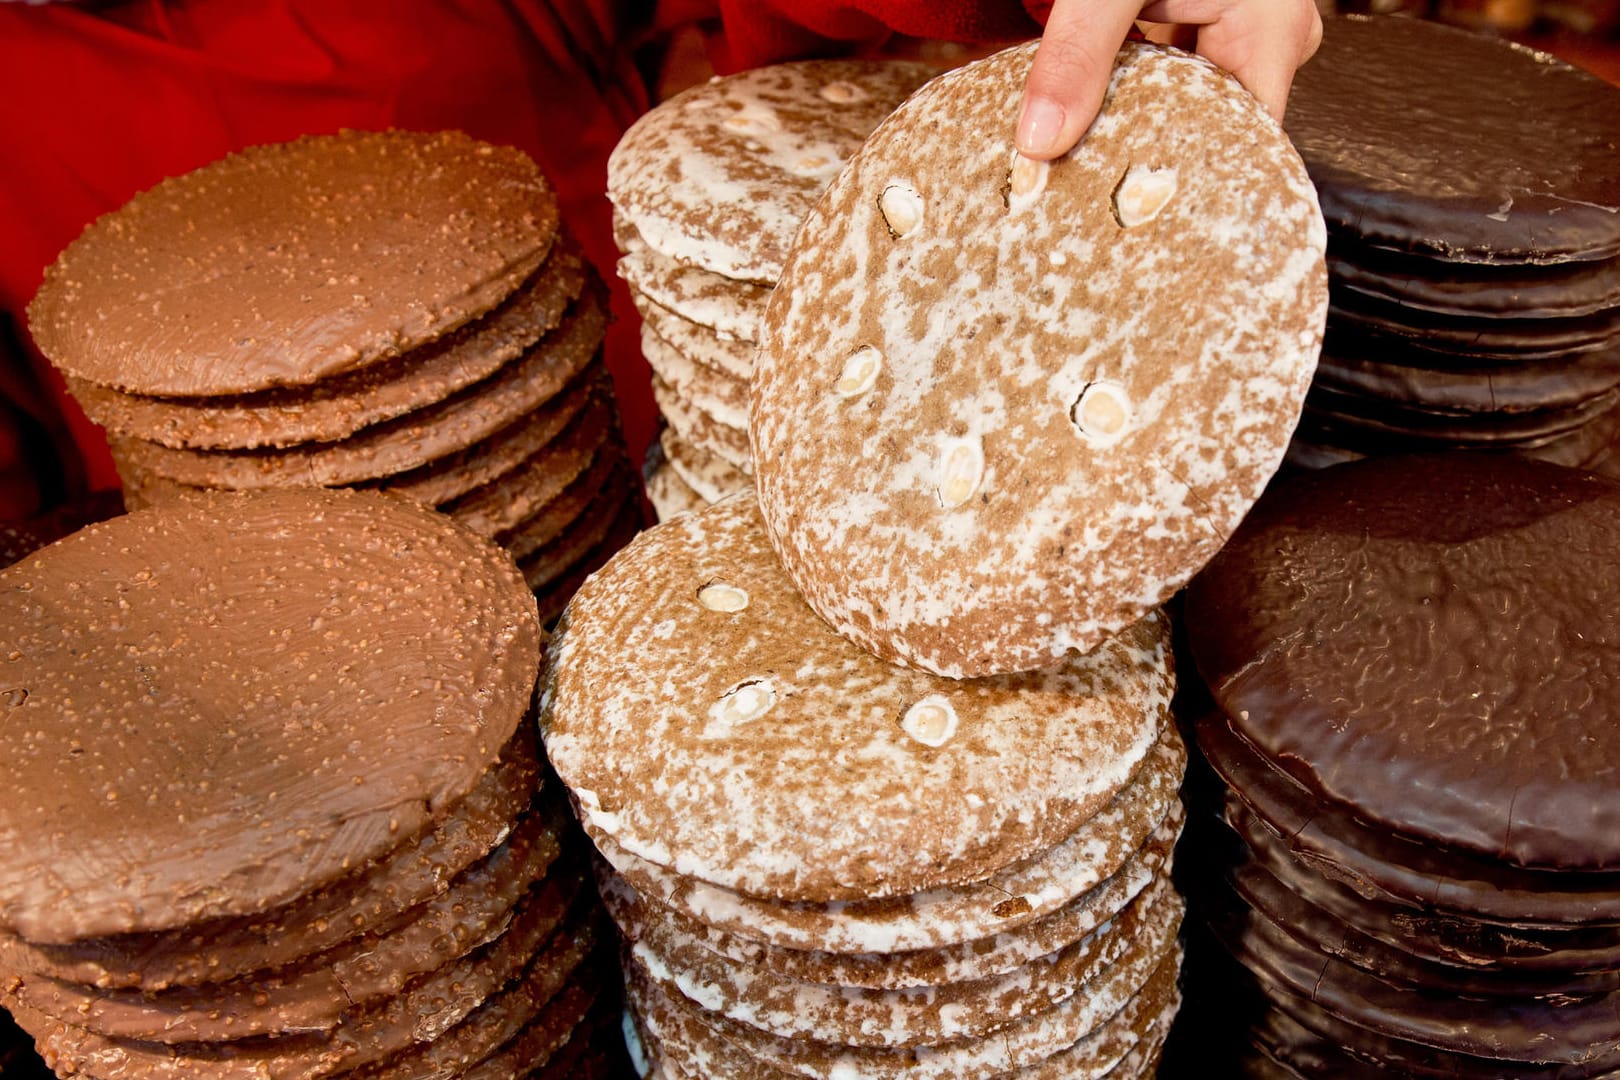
[1430, 139]
[1432, 644]
[1452, 888]
[283, 264]
[255, 695]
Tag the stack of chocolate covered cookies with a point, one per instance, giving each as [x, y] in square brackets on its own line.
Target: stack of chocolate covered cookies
[1411, 865]
[1472, 193]
[395, 310]
[708, 190]
[274, 806]
[879, 764]
[829, 865]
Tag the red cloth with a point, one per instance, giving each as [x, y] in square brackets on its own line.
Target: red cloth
[98, 102]
[767, 31]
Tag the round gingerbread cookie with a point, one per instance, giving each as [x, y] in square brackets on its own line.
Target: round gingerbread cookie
[1469, 148]
[1431, 645]
[283, 264]
[778, 760]
[1001, 409]
[229, 682]
[721, 175]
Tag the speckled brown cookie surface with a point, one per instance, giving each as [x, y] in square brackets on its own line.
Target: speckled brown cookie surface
[728, 443]
[702, 344]
[732, 309]
[763, 144]
[997, 953]
[709, 475]
[713, 762]
[1144, 814]
[1002, 409]
[204, 671]
[283, 264]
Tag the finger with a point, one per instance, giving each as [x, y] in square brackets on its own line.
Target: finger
[1070, 73]
[1261, 42]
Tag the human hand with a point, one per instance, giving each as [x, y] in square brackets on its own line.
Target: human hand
[1262, 42]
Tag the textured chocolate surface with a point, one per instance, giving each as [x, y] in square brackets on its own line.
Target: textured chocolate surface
[1452, 890]
[341, 405]
[1447, 426]
[1431, 644]
[521, 386]
[445, 480]
[1364, 928]
[374, 900]
[1312, 927]
[712, 762]
[283, 264]
[993, 423]
[1426, 138]
[205, 671]
[314, 994]
[607, 479]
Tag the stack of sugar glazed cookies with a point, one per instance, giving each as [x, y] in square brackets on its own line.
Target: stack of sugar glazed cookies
[267, 819]
[830, 866]
[395, 311]
[1472, 193]
[708, 190]
[1412, 867]
[879, 766]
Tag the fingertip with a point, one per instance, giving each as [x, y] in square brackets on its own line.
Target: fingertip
[1041, 124]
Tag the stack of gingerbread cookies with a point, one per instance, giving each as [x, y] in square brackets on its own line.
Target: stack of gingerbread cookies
[382, 310]
[879, 764]
[708, 190]
[268, 819]
[825, 862]
[1472, 193]
[1409, 865]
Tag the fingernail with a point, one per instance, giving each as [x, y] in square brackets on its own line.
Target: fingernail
[1039, 126]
